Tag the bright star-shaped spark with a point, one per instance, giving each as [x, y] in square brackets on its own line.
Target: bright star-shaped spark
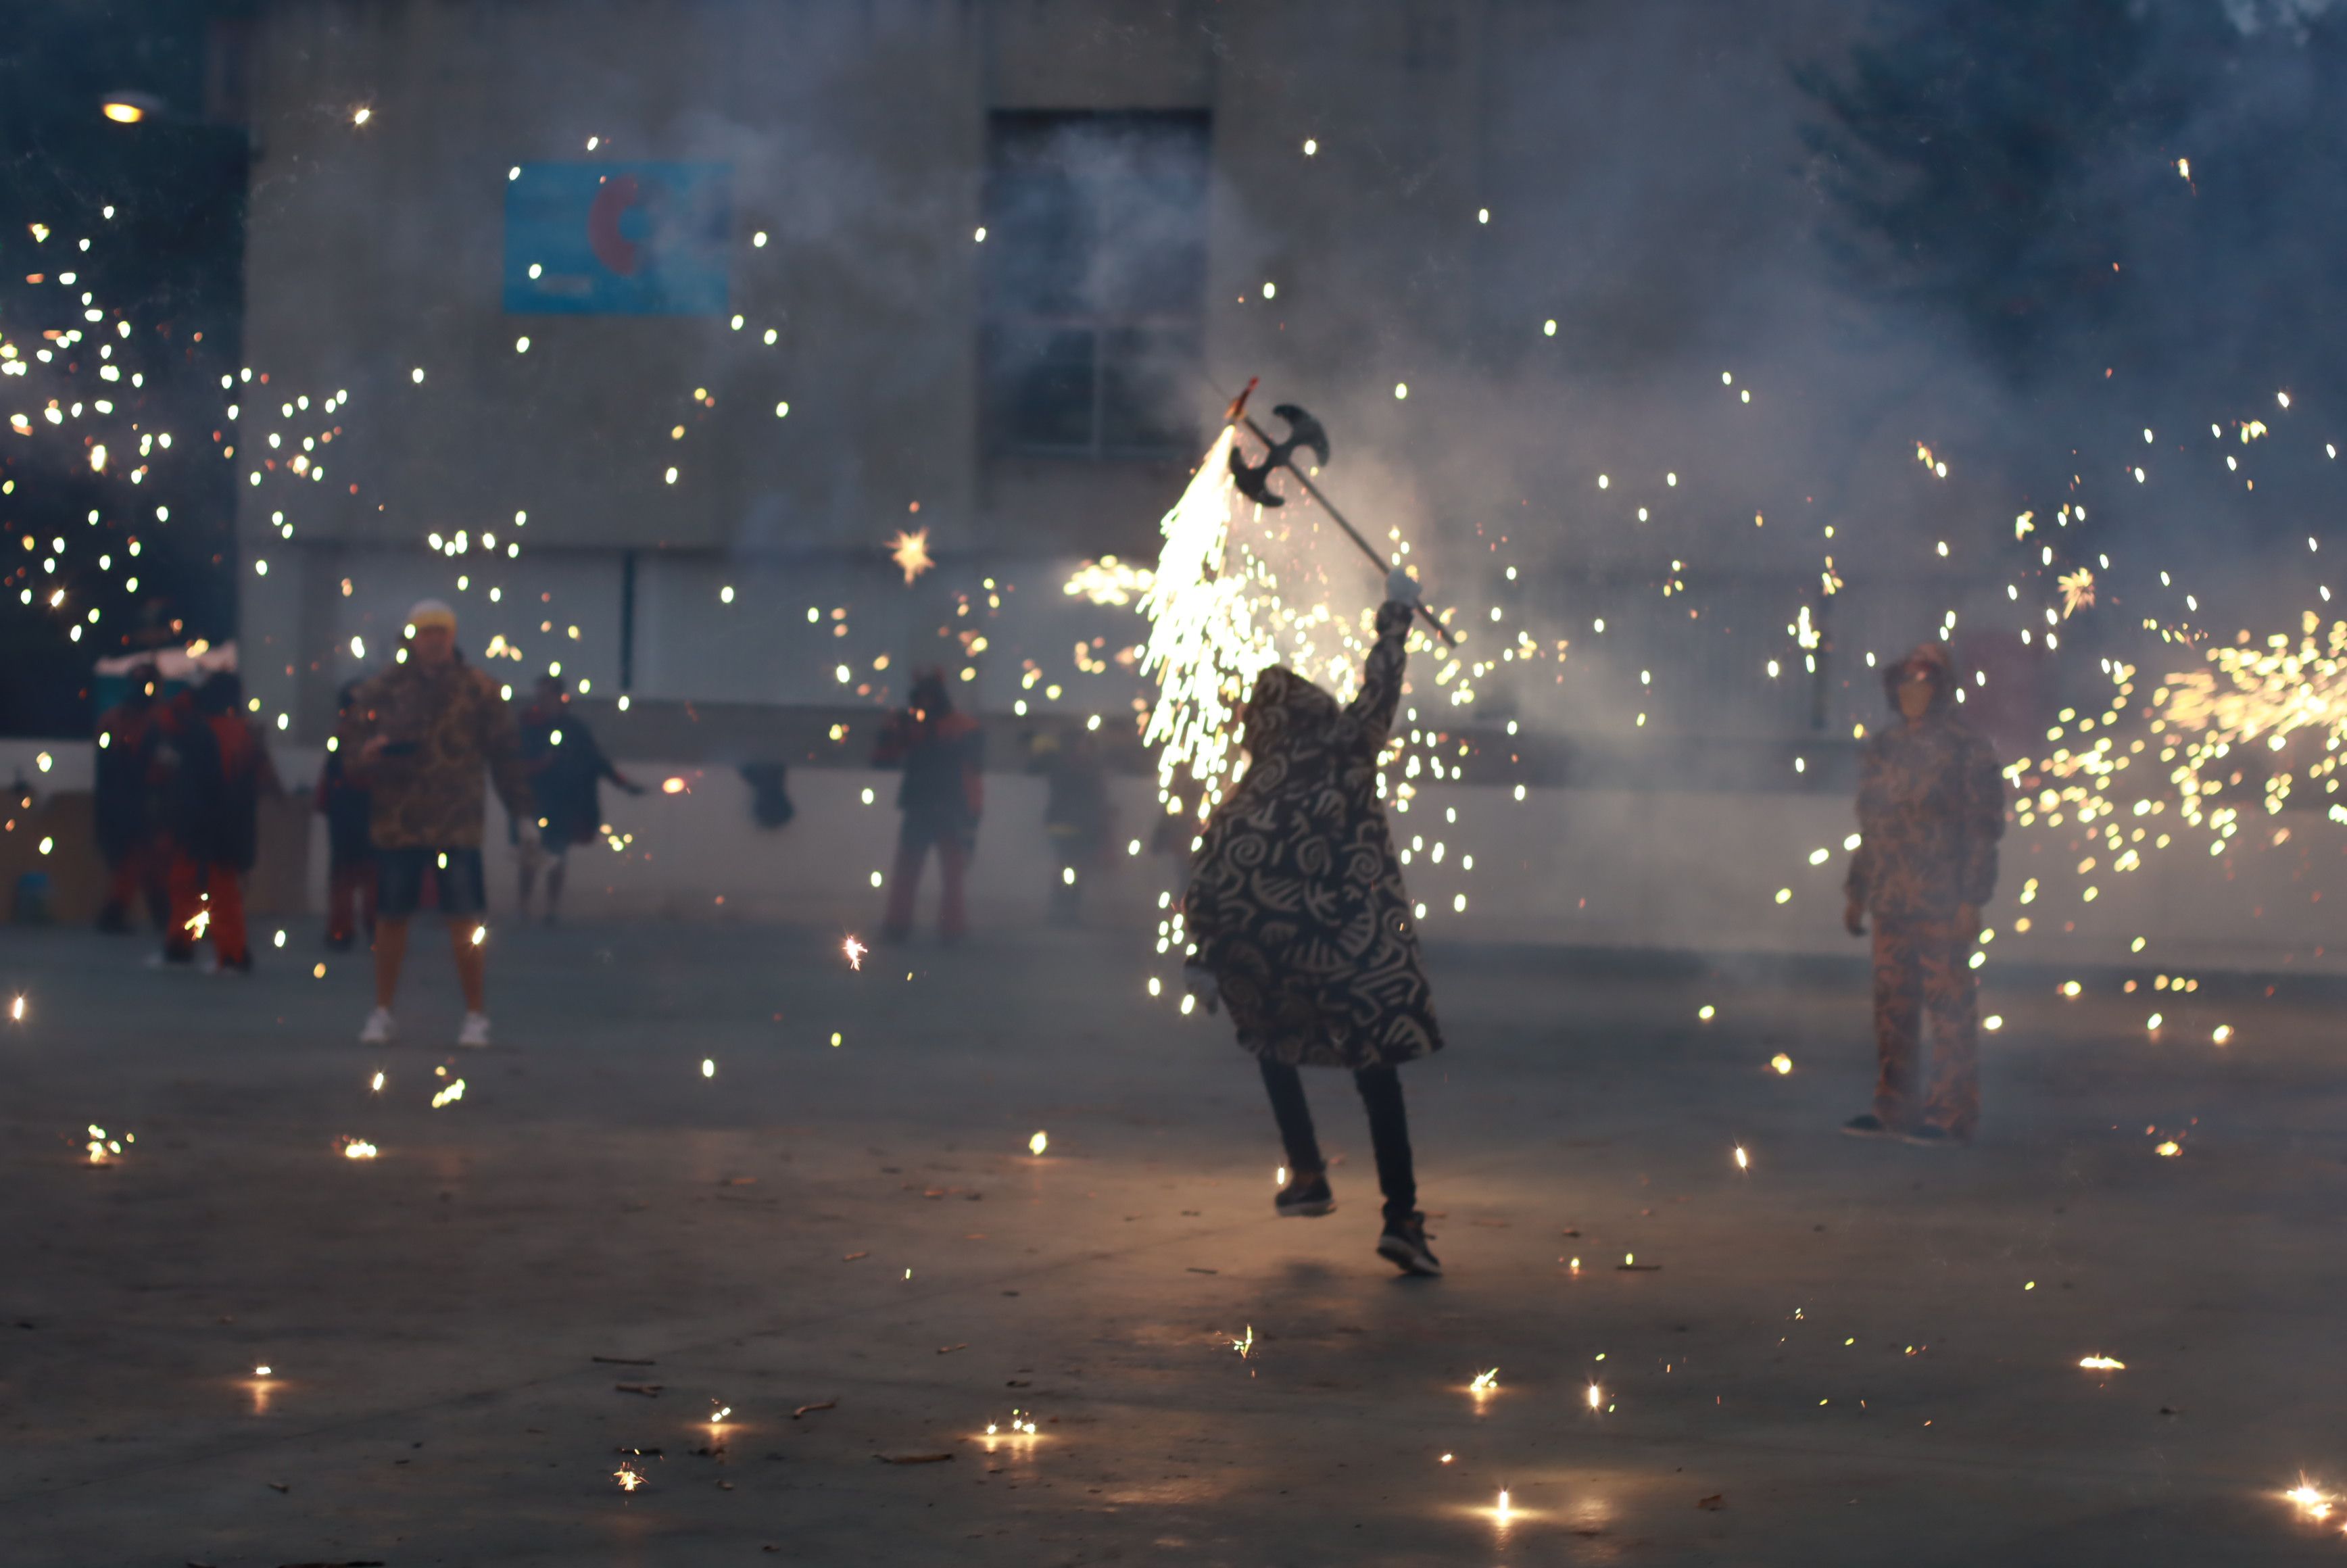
[910, 551]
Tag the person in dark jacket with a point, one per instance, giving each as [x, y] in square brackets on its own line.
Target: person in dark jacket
[1076, 816]
[565, 769]
[344, 802]
[136, 863]
[1931, 809]
[214, 808]
[1300, 924]
[942, 798]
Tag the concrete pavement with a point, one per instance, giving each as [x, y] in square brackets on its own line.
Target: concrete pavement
[1847, 1354]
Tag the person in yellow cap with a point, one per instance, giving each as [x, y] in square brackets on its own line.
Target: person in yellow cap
[421, 736]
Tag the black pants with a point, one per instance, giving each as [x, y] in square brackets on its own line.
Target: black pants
[1381, 1090]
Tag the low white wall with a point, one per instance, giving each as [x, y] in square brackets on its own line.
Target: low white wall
[1605, 868]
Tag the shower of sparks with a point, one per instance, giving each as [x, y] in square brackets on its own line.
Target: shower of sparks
[627, 1478]
[102, 1149]
[855, 951]
[2167, 1150]
[2077, 592]
[454, 1092]
[1039, 1142]
[1485, 1383]
[1245, 1347]
[2311, 1500]
[1109, 581]
[2103, 1364]
[1205, 647]
[910, 551]
[358, 1149]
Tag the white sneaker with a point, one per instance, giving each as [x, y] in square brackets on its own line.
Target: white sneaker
[475, 1035]
[380, 1029]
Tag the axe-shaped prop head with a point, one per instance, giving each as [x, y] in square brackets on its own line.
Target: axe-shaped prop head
[1303, 430]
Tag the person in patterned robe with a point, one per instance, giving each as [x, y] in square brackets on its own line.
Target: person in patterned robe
[1931, 809]
[1300, 925]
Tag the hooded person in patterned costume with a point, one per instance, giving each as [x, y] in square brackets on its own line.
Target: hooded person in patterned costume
[1931, 809]
[1300, 921]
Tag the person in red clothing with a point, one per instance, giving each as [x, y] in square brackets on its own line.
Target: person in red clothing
[942, 798]
[136, 860]
[213, 805]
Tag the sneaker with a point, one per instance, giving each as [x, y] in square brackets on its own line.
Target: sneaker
[1404, 1246]
[475, 1035]
[1927, 1136]
[1306, 1199]
[1867, 1126]
[380, 1029]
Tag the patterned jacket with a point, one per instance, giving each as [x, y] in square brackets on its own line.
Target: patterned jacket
[445, 726]
[1296, 899]
[1931, 809]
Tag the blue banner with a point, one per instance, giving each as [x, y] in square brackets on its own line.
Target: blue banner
[619, 239]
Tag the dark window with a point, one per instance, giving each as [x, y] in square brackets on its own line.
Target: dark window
[1093, 282]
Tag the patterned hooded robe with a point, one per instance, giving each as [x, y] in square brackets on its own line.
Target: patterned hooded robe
[1296, 901]
[1930, 808]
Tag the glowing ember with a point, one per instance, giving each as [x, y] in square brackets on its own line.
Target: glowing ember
[1246, 1347]
[717, 1416]
[910, 551]
[1596, 1396]
[455, 1091]
[261, 1371]
[2103, 1364]
[358, 1149]
[1781, 1062]
[673, 785]
[1743, 1160]
[16, 1010]
[377, 1084]
[2077, 592]
[1485, 1383]
[1504, 1504]
[103, 1149]
[2169, 1150]
[855, 951]
[1039, 1142]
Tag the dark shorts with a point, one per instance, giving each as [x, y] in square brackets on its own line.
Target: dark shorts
[400, 874]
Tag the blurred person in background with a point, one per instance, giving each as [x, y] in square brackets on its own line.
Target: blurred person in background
[138, 863]
[942, 798]
[1299, 923]
[213, 806]
[1077, 815]
[422, 735]
[1931, 809]
[344, 802]
[567, 768]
